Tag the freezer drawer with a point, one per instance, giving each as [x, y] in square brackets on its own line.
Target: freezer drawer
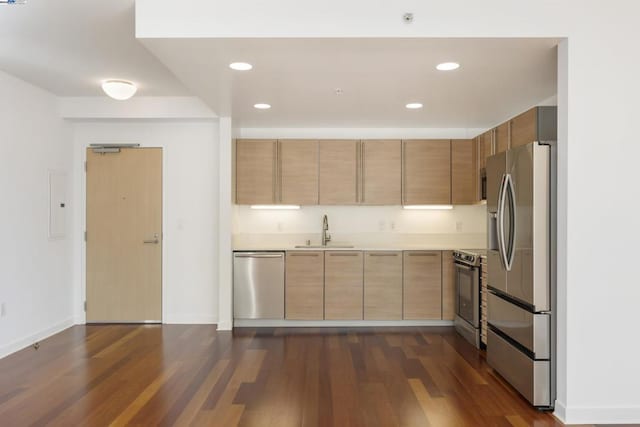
[258, 285]
[530, 330]
[532, 378]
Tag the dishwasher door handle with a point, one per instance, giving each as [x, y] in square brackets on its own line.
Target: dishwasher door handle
[251, 255]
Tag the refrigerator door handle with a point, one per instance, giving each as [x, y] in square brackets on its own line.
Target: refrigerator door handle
[500, 221]
[510, 254]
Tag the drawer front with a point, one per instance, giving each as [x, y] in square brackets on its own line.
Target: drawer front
[532, 378]
[528, 329]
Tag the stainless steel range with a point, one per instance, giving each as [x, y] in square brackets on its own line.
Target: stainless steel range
[467, 282]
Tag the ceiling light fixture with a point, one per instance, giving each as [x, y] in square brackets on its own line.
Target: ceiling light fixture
[119, 89]
[414, 105]
[448, 66]
[240, 66]
[275, 207]
[428, 207]
[261, 106]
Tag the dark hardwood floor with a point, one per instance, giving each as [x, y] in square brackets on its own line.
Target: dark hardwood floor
[193, 375]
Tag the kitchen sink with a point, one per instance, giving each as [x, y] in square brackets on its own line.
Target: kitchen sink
[325, 247]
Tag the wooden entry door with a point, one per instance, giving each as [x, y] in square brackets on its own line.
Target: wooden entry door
[124, 235]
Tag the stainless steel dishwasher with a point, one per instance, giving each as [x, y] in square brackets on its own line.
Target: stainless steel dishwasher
[258, 285]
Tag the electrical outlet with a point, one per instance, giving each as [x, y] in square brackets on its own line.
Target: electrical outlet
[3, 310]
[392, 225]
[458, 225]
[381, 225]
[280, 226]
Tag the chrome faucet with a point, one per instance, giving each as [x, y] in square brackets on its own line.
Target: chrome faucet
[326, 237]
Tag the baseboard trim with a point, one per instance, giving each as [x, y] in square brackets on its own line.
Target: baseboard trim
[189, 319]
[225, 326]
[33, 338]
[597, 415]
[261, 323]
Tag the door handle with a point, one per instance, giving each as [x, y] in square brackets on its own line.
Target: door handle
[154, 241]
[500, 221]
[509, 255]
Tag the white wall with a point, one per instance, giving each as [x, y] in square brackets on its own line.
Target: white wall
[35, 272]
[598, 88]
[190, 211]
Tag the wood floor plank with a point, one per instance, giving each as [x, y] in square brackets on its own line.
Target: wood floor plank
[192, 375]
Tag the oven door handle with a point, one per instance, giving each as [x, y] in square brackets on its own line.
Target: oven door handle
[463, 267]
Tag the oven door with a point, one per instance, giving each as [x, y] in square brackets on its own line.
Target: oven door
[468, 293]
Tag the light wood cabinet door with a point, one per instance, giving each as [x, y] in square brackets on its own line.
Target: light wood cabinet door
[524, 128]
[298, 172]
[487, 147]
[255, 171]
[426, 172]
[383, 285]
[381, 166]
[464, 172]
[339, 172]
[503, 137]
[343, 285]
[304, 285]
[422, 273]
[448, 286]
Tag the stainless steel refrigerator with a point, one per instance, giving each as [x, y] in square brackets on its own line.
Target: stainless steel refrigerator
[521, 185]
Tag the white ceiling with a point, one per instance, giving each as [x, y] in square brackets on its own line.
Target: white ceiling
[298, 77]
[68, 47]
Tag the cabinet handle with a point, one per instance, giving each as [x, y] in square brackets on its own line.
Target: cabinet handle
[363, 146]
[299, 254]
[357, 171]
[347, 254]
[274, 174]
[387, 254]
[423, 254]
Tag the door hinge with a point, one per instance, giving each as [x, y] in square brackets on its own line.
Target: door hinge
[85, 236]
[85, 306]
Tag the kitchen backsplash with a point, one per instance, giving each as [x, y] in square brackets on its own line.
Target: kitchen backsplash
[362, 224]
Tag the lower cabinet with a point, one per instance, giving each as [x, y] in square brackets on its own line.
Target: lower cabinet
[448, 286]
[304, 285]
[343, 281]
[383, 285]
[422, 274]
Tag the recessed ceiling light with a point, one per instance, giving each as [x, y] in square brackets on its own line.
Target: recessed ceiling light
[119, 89]
[414, 105]
[262, 106]
[448, 66]
[240, 66]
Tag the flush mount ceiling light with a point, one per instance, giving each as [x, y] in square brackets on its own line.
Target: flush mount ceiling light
[428, 207]
[275, 207]
[240, 66]
[261, 106]
[448, 66]
[119, 89]
[414, 106]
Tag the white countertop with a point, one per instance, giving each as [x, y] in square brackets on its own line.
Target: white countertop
[355, 248]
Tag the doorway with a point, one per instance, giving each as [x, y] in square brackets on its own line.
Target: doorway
[124, 235]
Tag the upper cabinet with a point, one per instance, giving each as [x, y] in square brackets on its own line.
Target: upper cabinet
[339, 182]
[380, 172]
[486, 147]
[426, 172]
[464, 176]
[276, 172]
[298, 172]
[530, 126]
[503, 137]
[256, 171]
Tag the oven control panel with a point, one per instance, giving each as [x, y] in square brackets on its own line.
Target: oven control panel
[466, 257]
